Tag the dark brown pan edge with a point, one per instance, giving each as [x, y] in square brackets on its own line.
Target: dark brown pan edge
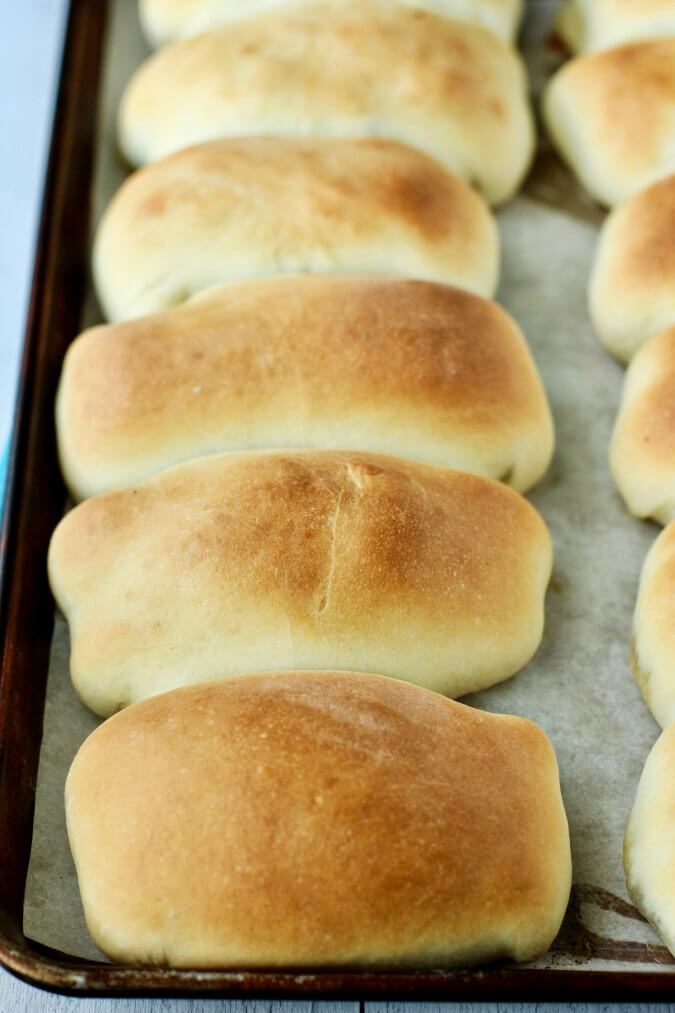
[34, 504]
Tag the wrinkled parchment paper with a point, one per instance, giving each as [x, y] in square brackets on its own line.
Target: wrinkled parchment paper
[579, 687]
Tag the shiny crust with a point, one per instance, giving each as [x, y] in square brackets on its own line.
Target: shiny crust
[642, 453]
[317, 818]
[588, 25]
[612, 117]
[450, 88]
[231, 210]
[166, 21]
[649, 848]
[654, 629]
[246, 562]
[411, 368]
[632, 292]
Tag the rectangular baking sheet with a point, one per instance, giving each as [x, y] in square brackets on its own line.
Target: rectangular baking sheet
[578, 688]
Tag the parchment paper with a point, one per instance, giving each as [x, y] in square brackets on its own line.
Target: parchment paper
[579, 687]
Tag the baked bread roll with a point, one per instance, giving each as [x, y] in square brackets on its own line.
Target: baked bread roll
[243, 562]
[170, 20]
[252, 207]
[649, 850]
[339, 69]
[587, 25]
[632, 290]
[654, 629]
[315, 819]
[642, 454]
[612, 117]
[420, 370]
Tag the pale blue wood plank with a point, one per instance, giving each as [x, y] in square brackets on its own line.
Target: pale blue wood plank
[16, 997]
[502, 1007]
[32, 36]
[516, 1007]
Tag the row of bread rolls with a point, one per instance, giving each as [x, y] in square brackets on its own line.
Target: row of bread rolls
[335, 290]
[612, 115]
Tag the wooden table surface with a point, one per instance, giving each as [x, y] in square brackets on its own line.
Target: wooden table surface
[15, 997]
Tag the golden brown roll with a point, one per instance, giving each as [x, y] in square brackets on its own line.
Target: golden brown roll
[588, 25]
[632, 291]
[341, 69]
[642, 453]
[411, 368]
[170, 20]
[649, 850]
[612, 117]
[314, 819]
[253, 207]
[654, 629]
[246, 562]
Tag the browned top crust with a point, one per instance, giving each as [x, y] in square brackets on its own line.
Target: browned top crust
[287, 560]
[612, 114]
[336, 69]
[253, 207]
[421, 370]
[169, 20]
[642, 454]
[633, 282]
[317, 818]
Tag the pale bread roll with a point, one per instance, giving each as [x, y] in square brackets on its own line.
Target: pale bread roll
[244, 562]
[649, 849]
[642, 453]
[612, 117]
[166, 21]
[632, 292]
[315, 819]
[410, 368]
[365, 68]
[654, 629]
[237, 209]
[588, 25]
